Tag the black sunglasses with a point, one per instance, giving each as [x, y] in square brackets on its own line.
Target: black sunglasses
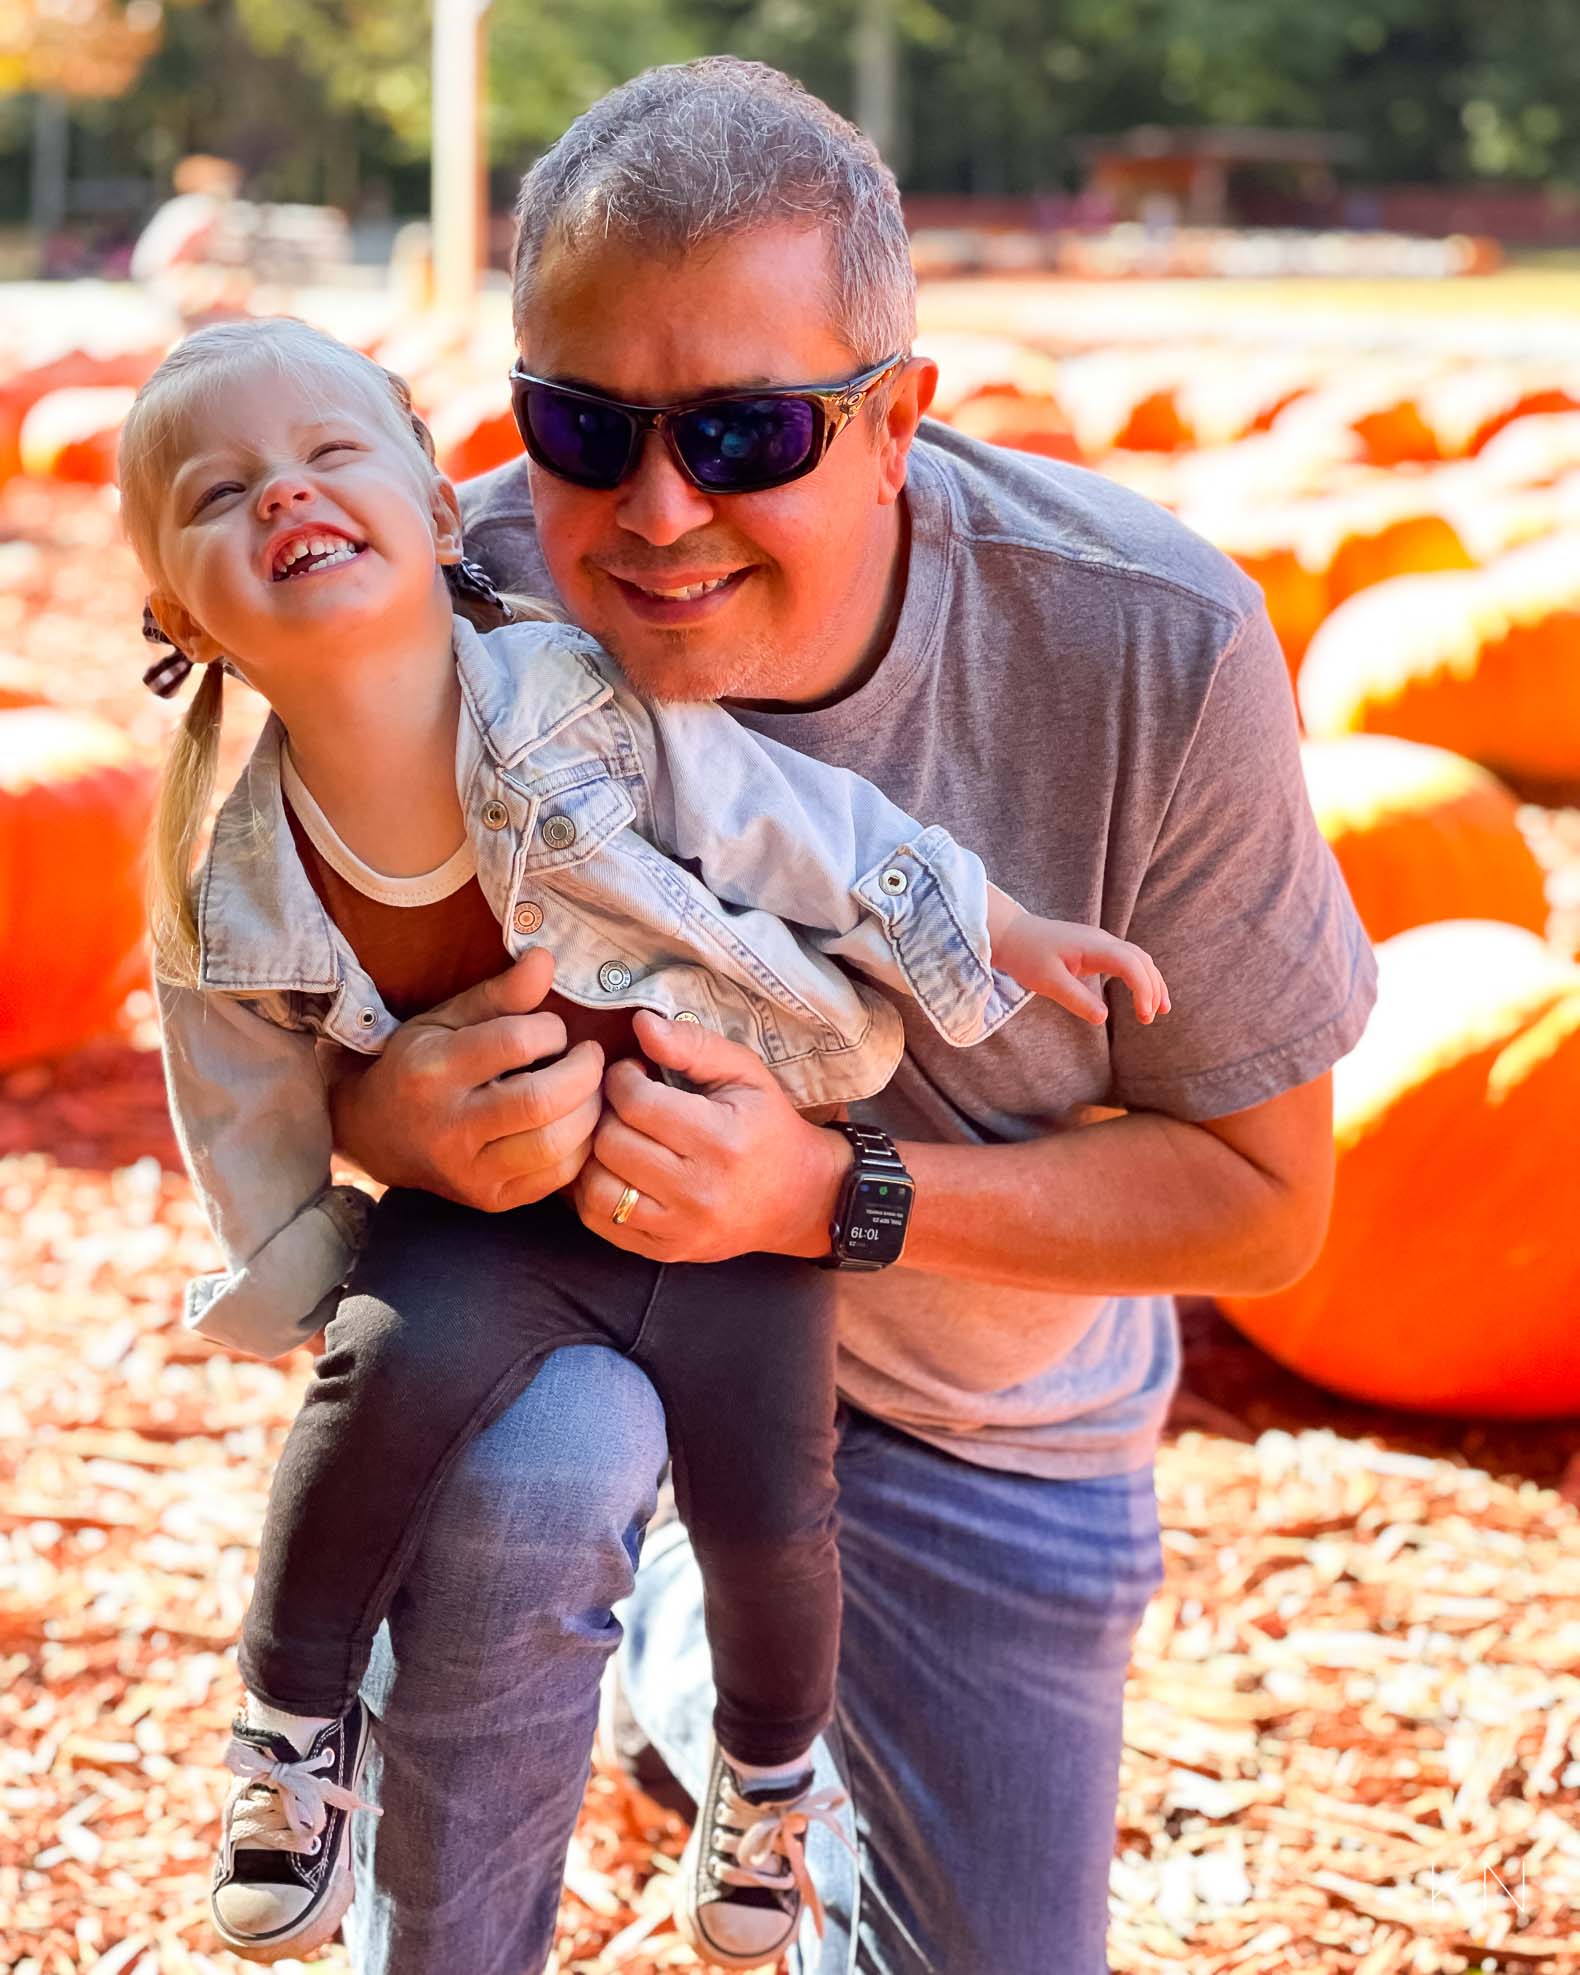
[740, 443]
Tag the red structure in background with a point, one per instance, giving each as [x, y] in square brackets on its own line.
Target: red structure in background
[1253, 178]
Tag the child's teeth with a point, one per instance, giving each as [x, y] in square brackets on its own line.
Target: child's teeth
[328, 549]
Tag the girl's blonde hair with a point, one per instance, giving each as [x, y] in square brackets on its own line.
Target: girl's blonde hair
[155, 440]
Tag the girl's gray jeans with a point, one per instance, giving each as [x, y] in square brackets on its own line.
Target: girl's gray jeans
[448, 1318]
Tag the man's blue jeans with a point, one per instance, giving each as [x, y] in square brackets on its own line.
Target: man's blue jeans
[988, 1625]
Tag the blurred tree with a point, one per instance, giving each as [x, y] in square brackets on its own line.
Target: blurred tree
[75, 47]
[546, 63]
[991, 91]
[1520, 111]
[319, 99]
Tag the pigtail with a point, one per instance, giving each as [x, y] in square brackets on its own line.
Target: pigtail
[185, 786]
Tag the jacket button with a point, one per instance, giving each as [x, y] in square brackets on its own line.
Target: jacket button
[893, 880]
[686, 1015]
[366, 1017]
[495, 815]
[527, 918]
[559, 832]
[613, 978]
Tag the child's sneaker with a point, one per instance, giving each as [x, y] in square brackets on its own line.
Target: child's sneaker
[283, 1880]
[744, 1877]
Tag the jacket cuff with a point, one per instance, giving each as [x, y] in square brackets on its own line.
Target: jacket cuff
[931, 897]
[289, 1289]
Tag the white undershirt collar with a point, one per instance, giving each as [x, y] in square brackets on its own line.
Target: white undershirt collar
[424, 888]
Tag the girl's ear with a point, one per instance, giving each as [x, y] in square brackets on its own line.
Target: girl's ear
[182, 628]
[445, 507]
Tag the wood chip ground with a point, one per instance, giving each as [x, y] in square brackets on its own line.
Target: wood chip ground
[1352, 1733]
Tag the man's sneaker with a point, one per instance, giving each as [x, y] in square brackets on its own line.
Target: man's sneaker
[744, 1878]
[283, 1880]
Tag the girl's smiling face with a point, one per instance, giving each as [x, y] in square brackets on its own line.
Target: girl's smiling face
[302, 524]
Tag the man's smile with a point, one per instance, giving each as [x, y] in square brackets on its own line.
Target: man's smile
[684, 601]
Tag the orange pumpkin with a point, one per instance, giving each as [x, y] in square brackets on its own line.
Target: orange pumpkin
[1450, 1279]
[1374, 539]
[19, 393]
[1378, 403]
[75, 800]
[1226, 395]
[475, 431]
[1310, 555]
[71, 435]
[971, 366]
[1468, 408]
[1532, 452]
[1029, 425]
[1422, 834]
[1125, 400]
[1296, 594]
[1484, 662]
[21, 684]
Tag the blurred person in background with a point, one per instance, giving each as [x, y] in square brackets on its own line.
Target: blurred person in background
[1091, 696]
[184, 255]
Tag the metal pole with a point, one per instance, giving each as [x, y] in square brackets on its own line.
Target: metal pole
[456, 201]
[875, 51]
[51, 147]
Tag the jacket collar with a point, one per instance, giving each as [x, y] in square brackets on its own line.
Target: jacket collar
[260, 923]
[525, 682]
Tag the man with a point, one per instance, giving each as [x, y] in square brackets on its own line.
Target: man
[1092, 699]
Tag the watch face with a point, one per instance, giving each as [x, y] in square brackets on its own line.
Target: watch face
[875, 1226]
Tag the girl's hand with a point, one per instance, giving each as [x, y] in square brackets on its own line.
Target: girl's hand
[1048, 955]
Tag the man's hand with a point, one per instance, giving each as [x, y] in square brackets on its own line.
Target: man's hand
[734, 1171]
[431, 1111]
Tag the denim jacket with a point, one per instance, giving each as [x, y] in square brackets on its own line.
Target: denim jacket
[589, 811]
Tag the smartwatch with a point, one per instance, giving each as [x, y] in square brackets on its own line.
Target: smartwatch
[868, 1229]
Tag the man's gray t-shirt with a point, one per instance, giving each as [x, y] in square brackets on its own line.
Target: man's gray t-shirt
[1091, 698]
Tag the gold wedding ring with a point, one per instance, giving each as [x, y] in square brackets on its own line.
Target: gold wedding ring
[625, 1206]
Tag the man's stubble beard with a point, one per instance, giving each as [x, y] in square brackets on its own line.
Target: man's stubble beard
[666, 669]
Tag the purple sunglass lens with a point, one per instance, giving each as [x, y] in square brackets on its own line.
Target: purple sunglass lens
[739, 443]
[579, 437]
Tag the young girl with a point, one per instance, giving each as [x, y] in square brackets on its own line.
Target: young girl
[424, 801]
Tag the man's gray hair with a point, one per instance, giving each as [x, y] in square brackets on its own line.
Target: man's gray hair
[699, 151]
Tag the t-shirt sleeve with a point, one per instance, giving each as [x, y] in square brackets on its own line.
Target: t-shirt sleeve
[1269, 970]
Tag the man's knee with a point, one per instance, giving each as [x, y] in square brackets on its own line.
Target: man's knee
[575, 1461]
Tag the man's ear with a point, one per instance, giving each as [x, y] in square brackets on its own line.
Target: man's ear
[182, 628]
[909, 398]
[444, 506]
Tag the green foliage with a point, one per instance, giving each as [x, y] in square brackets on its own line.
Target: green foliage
[546, 62]
[995, 89]
[318, 99]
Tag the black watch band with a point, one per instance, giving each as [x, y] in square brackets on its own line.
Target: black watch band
[874, 1207]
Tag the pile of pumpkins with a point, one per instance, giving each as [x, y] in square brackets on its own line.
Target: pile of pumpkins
[1416, 530]
[76, 798]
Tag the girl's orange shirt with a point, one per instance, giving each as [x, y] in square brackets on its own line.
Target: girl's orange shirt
[420, 955]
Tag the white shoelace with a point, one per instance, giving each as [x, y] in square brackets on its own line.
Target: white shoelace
[289, 1813]
[767, 1842]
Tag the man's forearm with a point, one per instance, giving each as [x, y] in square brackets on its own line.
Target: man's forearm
[1139, 1204]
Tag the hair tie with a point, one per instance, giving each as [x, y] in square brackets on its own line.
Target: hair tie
[467, 580]
[166, 675]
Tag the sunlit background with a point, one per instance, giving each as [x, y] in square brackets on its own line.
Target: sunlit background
[1309, 276]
